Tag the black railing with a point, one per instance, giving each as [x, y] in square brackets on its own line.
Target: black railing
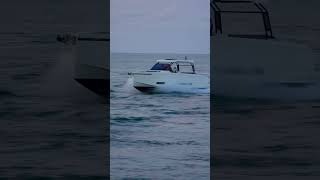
[72, 38]
[217, 13]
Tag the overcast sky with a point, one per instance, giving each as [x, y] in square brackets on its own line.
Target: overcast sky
[167, 26]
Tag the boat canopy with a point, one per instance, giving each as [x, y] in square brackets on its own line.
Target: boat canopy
[175, 65]
[178, 61]
[221, 7]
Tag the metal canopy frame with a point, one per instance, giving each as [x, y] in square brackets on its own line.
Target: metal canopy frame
[260, 10]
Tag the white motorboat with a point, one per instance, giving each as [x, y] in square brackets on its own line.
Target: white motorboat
[171, 75]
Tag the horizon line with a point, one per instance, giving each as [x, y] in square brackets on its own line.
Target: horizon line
[115, 52]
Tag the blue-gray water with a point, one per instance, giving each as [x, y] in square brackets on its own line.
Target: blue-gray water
[50, 126]
[265, 139]
[157, 136]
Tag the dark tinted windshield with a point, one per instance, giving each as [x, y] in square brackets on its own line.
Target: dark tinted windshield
[163, 67]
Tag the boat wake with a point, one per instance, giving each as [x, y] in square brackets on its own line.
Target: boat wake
[128, 86]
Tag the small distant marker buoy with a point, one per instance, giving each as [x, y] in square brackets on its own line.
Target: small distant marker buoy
[185, 57]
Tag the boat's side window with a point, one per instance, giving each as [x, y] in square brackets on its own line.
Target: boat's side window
[186, 68]
[163, 67]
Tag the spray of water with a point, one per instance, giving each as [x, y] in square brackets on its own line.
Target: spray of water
[128, 86]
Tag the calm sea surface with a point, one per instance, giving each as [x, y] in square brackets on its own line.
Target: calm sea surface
[157, 136]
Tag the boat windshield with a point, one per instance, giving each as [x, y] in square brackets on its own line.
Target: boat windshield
[163, 67]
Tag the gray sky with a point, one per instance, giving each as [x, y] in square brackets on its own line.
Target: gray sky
[168, 26]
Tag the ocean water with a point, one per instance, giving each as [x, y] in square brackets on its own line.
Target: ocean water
[50, 126]
[263, 139]
[157, 136]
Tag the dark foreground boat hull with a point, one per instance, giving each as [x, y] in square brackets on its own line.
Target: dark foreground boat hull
[98, 86]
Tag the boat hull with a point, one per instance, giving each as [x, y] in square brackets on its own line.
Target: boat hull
[170, 82]
[98, 86]
[91, 66]
[144, 87]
